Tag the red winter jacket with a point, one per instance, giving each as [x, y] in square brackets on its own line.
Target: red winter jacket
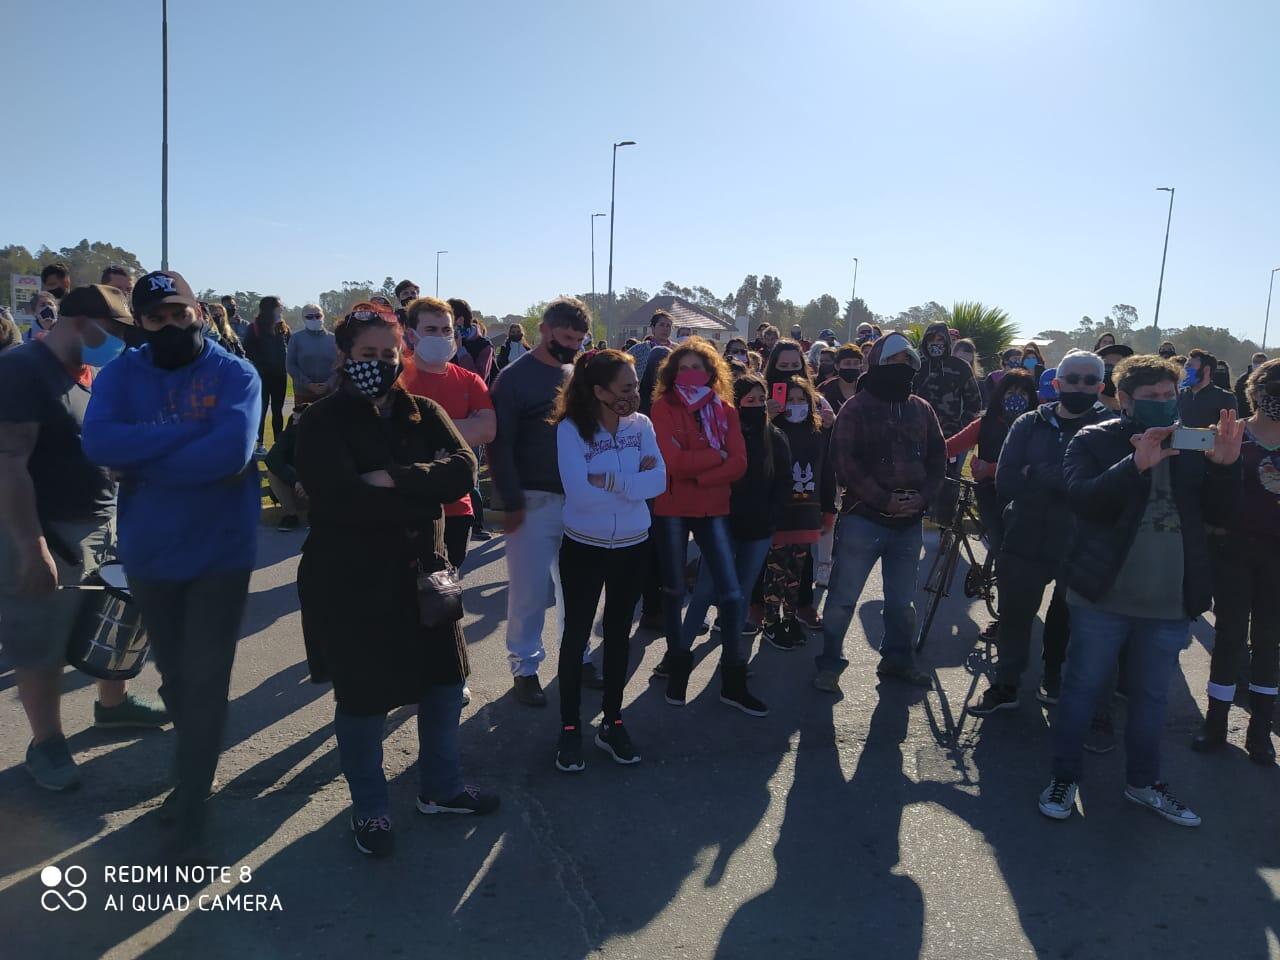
[698, 481]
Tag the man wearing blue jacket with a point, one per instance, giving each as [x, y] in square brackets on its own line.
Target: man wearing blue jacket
[177, 420]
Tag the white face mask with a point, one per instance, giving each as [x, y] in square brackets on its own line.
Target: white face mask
[434, 350]
[314, 325]
[797, 412]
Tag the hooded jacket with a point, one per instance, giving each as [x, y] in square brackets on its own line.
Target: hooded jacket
[948, 384]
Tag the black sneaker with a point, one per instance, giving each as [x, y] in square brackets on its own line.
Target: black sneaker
[990, 632]
[480, 534]
[779, 635]
[998, 696]
[1050, 689]
[373, 835]
[569, 750]
[663, 669]
[613, 739]
[904, 673]
[470, 800]
[288, 523]
[528, 691]
[591, 678]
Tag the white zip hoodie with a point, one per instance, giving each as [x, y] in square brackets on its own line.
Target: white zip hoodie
[616, 515]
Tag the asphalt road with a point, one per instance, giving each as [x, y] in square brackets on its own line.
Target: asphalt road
[885, 824]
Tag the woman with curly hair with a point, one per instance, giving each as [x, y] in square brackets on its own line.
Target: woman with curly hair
[701, 442]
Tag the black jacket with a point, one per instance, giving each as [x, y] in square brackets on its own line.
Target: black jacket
[358, 577]
[266, 350]
[1037, 522]
[1108, 497]
[1243, 405]
[759, 496]
[1202, 409]
[811, 477]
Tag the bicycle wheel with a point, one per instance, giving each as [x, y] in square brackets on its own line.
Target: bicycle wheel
[989, 586]
[939, 581]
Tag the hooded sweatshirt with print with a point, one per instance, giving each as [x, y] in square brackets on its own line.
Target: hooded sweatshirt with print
[948, 384]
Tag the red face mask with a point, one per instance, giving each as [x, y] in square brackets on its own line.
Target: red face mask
[692, 378]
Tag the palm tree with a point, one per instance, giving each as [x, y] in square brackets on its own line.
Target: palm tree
[988, 327]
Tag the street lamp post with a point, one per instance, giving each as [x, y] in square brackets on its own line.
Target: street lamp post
[594, 305]
[1267, 322]
[1163, 256]
[438, 252]
[613, 191]
[853, 298]
[164, 135]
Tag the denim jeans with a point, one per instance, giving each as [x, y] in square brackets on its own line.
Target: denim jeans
[748, 560]
[859, 544]
[439, 770]
[533, 572]
[712, 537]
[194, 626]
[1097, 637]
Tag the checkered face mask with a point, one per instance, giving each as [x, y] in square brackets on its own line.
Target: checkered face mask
[373, 378]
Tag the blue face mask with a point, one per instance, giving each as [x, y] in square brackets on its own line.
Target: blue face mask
[1016, 403]
[1190, 380]
[99, 356]
[1029, 362]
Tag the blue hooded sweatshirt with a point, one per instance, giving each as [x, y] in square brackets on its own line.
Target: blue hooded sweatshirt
[183, 441]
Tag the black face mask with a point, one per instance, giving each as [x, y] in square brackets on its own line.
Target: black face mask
[1076, 402]
[826, 371]
[373, 378]
[891, 383]
[849, 376]
[784, 376]
[173, 347]
[560, 353]
[752, 418]
[516, 337]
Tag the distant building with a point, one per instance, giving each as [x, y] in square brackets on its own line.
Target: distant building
[708, 324]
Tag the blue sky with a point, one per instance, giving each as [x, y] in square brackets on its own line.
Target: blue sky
[1001, 151]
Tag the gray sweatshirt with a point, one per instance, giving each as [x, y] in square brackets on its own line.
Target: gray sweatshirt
[310, 357]
[523, 454]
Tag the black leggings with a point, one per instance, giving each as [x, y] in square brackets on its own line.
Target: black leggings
[1246, 580]
[584, 572]
[273, 391]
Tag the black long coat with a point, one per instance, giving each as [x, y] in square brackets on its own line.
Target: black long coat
[358, 575]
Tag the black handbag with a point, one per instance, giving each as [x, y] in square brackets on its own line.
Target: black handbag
[439, 597]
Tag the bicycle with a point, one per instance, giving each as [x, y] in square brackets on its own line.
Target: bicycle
[980, 580]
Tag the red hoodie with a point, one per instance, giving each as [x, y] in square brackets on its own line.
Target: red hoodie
[698, 481]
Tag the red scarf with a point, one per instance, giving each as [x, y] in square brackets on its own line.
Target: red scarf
[707, 406]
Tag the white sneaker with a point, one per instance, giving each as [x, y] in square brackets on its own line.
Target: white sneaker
[466, 695]
[1158, 799]
[1058, 799]
[822, 574]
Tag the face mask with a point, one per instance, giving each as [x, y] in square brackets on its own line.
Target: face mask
[624, 406]
[434, 350]
[742, 358]
[1190, 380]
[373, 378]
[781, 373]
[1029, 363]
[826, 370]
[559, 352]
[99, 356]
[517, 336]
[797, 412]
[751, 418]
[1270, 407]
[935, 350]
[890, 382]
[405, 301]
[466, 333]
[692, 378]
[1016, 403]
[315, 326]
[1077, 402]
[173, 347]
[1154, 413]
[849, 376]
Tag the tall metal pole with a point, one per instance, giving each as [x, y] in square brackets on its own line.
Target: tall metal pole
[1267, 322]
[613, 192]
[594, 305]
[438, 252]
[853, 298]
[1163, 256]
[164, 136]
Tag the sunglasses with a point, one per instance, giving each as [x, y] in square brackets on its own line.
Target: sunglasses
[1081, 379]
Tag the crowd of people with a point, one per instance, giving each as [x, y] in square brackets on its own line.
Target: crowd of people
[132, 422]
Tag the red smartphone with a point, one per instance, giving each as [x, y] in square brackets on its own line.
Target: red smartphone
[780, 394]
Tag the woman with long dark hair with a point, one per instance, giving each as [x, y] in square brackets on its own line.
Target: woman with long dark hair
[701, 442]
[610, 466]
[266, 347]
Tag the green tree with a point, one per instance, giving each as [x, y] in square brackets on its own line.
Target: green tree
[1122, 319]
[989, 328]
[921, 316]
[819, 314]
[855, 312]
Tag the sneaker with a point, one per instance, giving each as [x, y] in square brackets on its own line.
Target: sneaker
[466, 695]
[131, 712]
[50, 764]
[1158, 799]
[591, 678]
[260, 452]
[480, 534]
[662, 669]
[528, 691]
[1058, 799]
[1101, 737]
[167, 812]
[569, 750]
[288, 523]
[613, 739]
[828, 681]
[779, 635]
[904, 673]
[755, 617]
[470, 800]
[998, 696]
[822, 574]
[809, 617]
[373, 835]
[1050, 688]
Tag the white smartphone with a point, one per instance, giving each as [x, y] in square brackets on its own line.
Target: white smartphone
[1192, 438]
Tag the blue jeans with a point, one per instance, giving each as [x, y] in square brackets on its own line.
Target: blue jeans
[712, 536]
[748, 559]
[439, 770]
[1097, 638]
[859, 544]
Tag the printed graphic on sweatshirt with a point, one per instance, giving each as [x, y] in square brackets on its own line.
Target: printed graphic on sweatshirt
[803, 484]
[193, 400]
[625, 442]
